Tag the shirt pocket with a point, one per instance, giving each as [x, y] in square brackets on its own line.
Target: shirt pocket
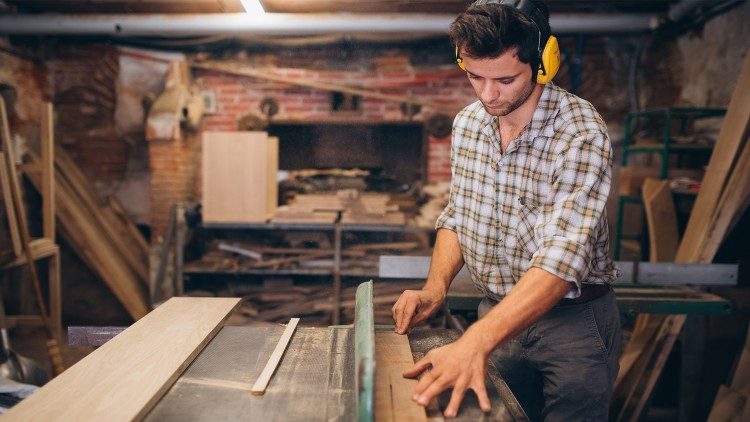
[526, 215]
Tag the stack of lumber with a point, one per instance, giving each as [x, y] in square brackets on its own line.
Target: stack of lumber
[355, 208]
[241, 256]
[437, 199]
[101, 234]
[279, 303]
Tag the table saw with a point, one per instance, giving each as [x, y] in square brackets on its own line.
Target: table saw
[326, 373]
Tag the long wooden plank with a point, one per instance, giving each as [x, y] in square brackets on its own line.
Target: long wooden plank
[259, 388]
[81, 189]
[392, 391]
[124, 378]
[10, 211]
[734, 201]
[733, 132]
[640, 395]
[48, 171]
[79, 229]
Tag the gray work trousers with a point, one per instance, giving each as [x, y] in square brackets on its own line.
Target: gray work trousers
[563, 367]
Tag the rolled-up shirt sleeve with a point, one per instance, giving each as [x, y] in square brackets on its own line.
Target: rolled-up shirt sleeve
[567, 226]
[447, 218]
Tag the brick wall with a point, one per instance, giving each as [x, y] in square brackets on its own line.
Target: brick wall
[237, 96]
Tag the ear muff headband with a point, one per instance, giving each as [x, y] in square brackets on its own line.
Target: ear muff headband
[549, 56]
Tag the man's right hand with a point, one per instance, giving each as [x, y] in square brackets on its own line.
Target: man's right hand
[415, 306]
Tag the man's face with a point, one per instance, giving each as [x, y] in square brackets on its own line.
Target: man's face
[502, 83]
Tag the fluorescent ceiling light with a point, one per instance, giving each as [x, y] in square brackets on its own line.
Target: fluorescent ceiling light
[253, 7]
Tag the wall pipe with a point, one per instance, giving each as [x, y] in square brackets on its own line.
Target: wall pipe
[242, 24]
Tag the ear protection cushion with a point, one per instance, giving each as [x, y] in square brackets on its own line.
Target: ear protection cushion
[460, 61]
[550, 61]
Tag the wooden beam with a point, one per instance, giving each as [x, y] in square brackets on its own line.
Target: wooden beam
[259, 388]
[732, 134]
[392, 391]
[48, 171]
[661, 216]
[733, 203]
[10, 211]
[124, 378]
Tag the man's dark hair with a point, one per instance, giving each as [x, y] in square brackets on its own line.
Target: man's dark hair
[491, 30]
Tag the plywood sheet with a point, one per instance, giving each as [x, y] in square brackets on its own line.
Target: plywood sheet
[123, 379]
[239, 169]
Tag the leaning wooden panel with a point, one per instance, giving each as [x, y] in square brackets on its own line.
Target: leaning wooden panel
[123, 379]
[663, 235]
[236, 177]
[392, 391]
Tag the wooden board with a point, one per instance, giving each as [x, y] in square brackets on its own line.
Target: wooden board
[123, 379]
[392, 391]
[733, 203]
[661, 216]
[733, 133]
[640, 394]
[273, 361]
[10, 244]
[728, 405]
[632, 177]
[238, 173]
[48, 171]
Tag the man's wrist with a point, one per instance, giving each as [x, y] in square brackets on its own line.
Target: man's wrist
[436, 288]
[481, 337]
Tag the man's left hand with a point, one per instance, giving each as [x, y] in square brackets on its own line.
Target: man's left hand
[461, 365]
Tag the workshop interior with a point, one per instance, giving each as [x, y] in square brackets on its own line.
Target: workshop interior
[211, 207]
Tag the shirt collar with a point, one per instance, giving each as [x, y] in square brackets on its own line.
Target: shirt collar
[545, 111]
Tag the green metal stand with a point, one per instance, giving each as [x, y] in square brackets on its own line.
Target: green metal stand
[663, 145]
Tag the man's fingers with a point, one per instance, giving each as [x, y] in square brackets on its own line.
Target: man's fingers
[436, 387]
[481, 392]
[456, 398]
[407, 312]
[418, 368]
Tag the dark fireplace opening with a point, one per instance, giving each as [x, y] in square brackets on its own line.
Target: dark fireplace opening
[395, 150]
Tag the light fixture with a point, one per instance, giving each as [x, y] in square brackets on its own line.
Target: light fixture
[253, 7]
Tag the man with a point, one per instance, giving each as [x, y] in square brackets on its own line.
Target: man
[531, 172]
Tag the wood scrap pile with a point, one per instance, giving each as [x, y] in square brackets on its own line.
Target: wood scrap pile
[101, 234]
[233, 256]
[279, 303]
[355, 208]
[437, 199]
[723, 198]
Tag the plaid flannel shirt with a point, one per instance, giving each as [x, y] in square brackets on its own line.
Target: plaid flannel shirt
[540, 204]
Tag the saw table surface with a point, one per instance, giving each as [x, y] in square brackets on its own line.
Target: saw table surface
[313, 382]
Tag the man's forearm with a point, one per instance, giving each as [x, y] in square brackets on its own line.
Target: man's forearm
[446, 261]
[535, 294]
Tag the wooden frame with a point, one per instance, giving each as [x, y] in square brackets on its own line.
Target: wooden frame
[41, 248]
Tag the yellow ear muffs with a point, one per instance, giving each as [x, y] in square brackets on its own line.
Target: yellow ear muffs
[549, 61]
[460, 61]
